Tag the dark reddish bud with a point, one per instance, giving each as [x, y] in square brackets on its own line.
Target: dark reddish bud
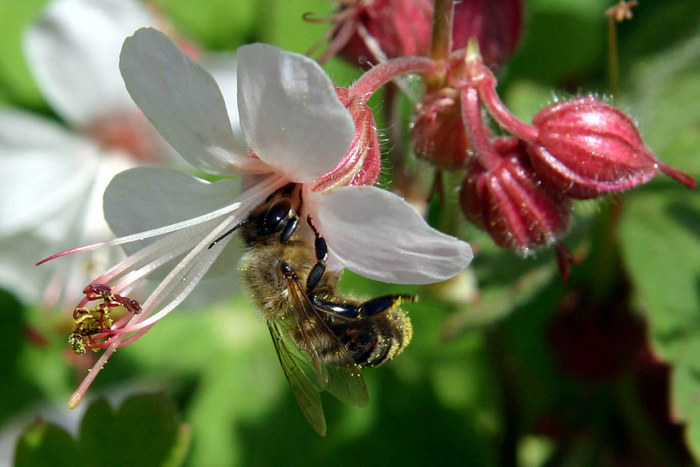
[496, 25]
[596, 342]
[587, 148]
[394, 28]
[362, 164]
[511, 203]
[367, 31]
[438, 132]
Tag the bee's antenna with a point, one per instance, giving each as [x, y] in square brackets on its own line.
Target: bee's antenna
[229, 232]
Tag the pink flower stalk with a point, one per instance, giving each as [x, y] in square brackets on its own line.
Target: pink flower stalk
[297, 131]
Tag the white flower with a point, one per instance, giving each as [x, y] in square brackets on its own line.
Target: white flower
[298, 130]
[52, 178]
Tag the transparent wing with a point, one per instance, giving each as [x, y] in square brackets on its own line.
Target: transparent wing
[304, 390]
[343, 378]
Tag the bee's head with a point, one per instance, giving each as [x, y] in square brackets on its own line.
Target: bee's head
[276, 217]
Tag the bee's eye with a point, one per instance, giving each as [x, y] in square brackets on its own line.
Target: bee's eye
[275, 218]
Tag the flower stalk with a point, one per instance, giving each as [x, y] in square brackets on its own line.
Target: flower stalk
[385, 72]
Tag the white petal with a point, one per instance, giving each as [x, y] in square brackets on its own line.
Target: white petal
[378, 235]
[145, 198]
[290, 113]
[45, 170]
[222, 66]
[183, 102]
[73, 51]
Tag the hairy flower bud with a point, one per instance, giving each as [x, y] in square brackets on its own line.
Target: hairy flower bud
[511, 203]
[587, 148]
[438, 132]
[362, 164]
[496, 25]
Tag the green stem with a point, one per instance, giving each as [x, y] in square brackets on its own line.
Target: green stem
[440, 40]
[441, 37]
[613, 61]
[604, 261]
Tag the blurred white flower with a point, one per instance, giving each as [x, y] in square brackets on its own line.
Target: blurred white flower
[53, 175]
[297, 131]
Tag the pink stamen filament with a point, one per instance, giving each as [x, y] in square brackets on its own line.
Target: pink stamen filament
[151, 257]
[177, 276]
[79, 393]
[267, 185]
[148, 234]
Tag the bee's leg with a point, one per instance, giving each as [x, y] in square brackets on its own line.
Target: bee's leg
[382, 304]
[372, 307]
[321, 255]
[289, 229]
[337, 308]
[320, 267]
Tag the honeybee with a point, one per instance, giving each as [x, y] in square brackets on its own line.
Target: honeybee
[322, 339]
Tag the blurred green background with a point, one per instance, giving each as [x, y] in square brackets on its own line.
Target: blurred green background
[528, 370]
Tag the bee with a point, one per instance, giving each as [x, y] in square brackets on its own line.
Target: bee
[322, 338]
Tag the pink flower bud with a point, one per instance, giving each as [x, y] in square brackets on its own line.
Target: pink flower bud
[438, 132]
[362, 164]
[511, 203]
[496, 25]
[586, 149]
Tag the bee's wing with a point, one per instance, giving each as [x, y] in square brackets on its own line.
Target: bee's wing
[343, 380]
[348, 385]
[305, 391]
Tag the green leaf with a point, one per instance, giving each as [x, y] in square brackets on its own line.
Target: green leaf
[16, 84]
[45, 444]
[559, 46]
[659, 238]
[284, 25]
[17, 389]
[145, 426]
[660, 228]
[214, 24]
[657, 28]
[143, 431]
[685, 394]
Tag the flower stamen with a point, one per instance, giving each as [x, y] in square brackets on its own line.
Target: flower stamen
[93, 324]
